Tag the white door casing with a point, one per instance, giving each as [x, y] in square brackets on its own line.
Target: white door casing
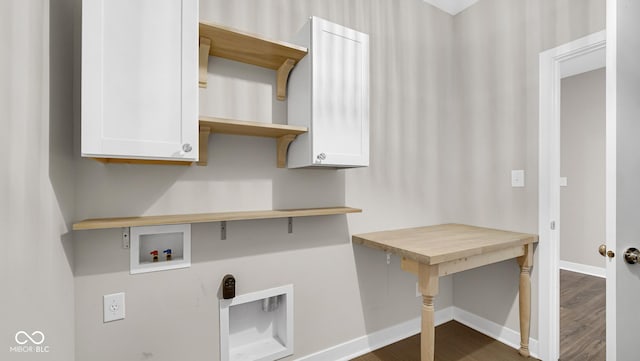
[551, 62]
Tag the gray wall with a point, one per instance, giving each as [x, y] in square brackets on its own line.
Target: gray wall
[583, 163]
[36, 176]
[341, 291]
[494, 129]
[446, 131]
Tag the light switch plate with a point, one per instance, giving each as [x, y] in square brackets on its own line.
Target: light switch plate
[113, 307]
[517, 178]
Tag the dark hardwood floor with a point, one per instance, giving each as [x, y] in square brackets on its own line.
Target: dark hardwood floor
[582, 331]
[582, 317]
[454, 342]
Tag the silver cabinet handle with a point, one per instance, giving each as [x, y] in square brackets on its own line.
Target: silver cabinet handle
[321, 156]
[187, 147]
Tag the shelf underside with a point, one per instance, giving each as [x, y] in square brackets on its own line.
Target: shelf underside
[256, 129]
[102, 223]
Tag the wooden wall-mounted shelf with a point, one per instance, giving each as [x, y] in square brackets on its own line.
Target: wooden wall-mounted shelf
[103, 223]
[142, 161]
[284, 134]
[229, 43]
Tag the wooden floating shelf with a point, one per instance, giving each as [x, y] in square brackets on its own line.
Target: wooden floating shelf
[142, 161]
[284, 134]
[103, 223]
[229, 43]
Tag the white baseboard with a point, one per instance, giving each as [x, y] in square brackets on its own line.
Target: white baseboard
[365, 344]
[583, 268]
[501, 333]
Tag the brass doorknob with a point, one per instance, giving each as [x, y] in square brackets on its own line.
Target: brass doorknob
[603, 251]
[632, 256]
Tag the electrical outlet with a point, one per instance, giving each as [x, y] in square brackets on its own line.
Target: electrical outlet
[113, 307]
[517, 178]
[418, 293]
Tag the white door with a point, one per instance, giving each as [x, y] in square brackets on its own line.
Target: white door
[340, 95]
[139, 79]
[623, 92]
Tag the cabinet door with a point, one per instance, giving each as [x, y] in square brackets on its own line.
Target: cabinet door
[139, 79]
[340, 124]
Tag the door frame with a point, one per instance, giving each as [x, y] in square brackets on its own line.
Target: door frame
[549, 193]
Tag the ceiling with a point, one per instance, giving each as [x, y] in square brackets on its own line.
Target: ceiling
[451, 6]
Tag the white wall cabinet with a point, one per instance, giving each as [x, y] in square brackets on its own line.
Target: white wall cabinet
[140, 79]
[329, 94]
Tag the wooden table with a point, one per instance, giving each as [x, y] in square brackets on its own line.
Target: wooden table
[434, 251]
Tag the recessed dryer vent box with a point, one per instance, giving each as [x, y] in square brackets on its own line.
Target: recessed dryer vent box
[257, 326]
[159, 248]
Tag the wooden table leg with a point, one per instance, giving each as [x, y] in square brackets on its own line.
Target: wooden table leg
[525, 263]
[428, 282]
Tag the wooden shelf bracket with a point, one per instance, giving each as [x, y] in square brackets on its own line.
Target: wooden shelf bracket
[250, 49]
[203, 145]
[205, 47]
[283, 146]
[282, 76]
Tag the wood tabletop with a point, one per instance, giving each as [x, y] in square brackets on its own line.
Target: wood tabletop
[444, 242]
